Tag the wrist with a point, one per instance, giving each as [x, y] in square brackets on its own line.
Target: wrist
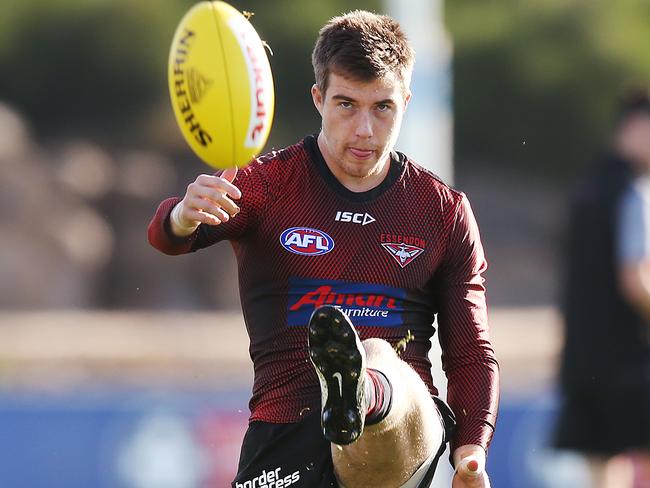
[179, 227]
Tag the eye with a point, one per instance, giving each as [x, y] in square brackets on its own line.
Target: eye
[345, 104]
[383, 107]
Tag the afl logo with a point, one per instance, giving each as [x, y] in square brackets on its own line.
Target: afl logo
[305, 241]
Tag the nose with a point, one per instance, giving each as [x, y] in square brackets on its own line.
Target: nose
[363, 127]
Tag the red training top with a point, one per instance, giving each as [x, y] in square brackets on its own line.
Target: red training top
[391, 258]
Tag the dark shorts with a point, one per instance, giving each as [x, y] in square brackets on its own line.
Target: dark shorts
[298, 456]
[604, 422]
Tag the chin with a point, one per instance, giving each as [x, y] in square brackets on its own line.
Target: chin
[360, 171]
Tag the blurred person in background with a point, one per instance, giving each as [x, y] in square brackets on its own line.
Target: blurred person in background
[407, 248]
[605, 364]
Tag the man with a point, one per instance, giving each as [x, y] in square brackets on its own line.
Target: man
[340, 225]
[605, 374]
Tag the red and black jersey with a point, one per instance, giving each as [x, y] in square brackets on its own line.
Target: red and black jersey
[393, 258]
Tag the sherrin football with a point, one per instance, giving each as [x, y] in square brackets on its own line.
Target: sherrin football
[221, 85]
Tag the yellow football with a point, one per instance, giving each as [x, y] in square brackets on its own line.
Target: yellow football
[221, 85]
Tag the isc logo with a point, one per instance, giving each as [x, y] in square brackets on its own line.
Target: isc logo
[305, 241]
[355, 218]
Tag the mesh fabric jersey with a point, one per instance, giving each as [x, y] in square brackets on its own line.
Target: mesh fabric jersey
[392, 258]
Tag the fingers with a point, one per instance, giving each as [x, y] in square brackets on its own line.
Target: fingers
[203, 217]
[196, 209]
[212, 202]
[470, 467]
[219, 183]
[229, 174]
[209, 199]
[470, 473]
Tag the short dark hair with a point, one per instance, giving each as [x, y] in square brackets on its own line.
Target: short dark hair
[364, 46]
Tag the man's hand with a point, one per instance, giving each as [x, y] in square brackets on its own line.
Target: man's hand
[208, 200]
[470, 468]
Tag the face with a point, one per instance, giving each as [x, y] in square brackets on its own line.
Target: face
[360, 125]
[633, 141]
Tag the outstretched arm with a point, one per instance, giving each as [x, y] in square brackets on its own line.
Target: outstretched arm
[204, 215]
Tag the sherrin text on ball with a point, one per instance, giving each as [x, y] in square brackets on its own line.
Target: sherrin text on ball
[221, 85]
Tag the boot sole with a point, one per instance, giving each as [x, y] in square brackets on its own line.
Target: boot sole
[339, 359]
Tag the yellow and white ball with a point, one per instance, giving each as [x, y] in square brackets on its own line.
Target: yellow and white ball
[221, 85]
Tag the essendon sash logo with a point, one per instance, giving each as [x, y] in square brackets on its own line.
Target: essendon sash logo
[404, 249]
[403, 253]
[366, 304]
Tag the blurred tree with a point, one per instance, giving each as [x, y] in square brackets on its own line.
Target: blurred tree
[99, 67]
[74, 66]
[535, 81]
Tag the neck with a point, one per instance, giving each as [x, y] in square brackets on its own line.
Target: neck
[357, 184]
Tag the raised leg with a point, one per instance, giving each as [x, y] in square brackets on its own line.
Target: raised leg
[386, 454]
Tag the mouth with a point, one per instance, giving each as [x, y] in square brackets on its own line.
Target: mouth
[361, 154]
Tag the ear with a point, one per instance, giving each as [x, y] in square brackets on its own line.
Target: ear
[317, 97]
